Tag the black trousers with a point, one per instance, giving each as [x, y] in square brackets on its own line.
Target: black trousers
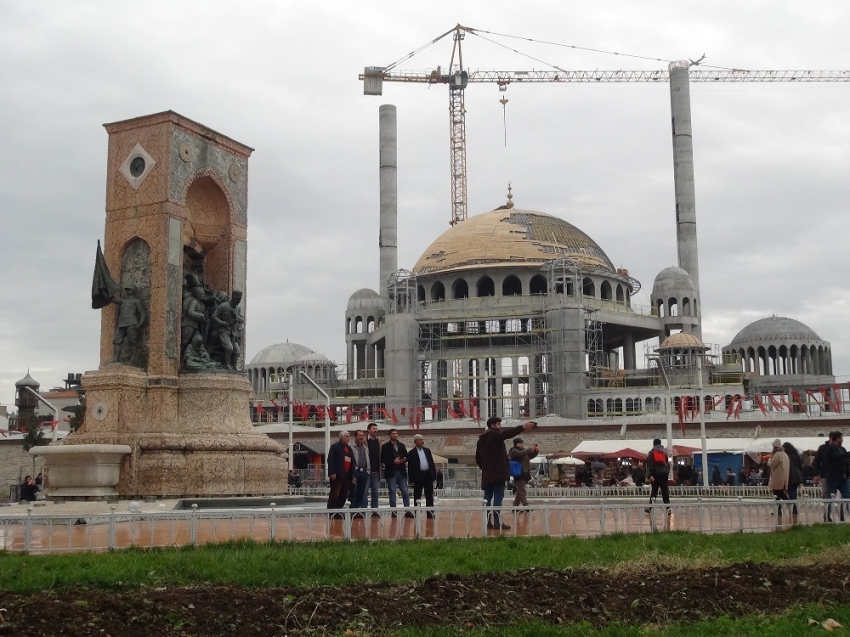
[428, 487]
[339, 492]
[660, 483]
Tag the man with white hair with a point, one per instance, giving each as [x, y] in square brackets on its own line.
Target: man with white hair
[340, 470]
[423, 472]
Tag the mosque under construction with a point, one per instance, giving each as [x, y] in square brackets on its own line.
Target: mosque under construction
[520, 314]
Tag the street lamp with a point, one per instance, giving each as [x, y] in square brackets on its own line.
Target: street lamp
[327, 418]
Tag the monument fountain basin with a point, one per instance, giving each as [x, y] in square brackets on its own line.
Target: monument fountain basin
[82, 471]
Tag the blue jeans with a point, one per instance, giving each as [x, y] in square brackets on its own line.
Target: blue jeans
[843, 487]
[374, 486]
[494, 494]
[398, 481]
[358, 489]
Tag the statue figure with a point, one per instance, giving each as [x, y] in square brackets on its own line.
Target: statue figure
[227, 325]
[196, 358]
[193, 311]
[131, 317]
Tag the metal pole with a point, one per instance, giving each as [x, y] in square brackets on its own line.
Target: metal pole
[669, 415]
[291, 446]
[327, 418]
[702, 424]
[55, 411]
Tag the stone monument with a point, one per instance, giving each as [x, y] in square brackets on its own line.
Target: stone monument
[171, 285]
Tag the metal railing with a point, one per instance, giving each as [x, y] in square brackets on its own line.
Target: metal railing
[50, 533]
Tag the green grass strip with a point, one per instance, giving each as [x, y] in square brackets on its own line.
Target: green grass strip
[334, 563]
[790, 624]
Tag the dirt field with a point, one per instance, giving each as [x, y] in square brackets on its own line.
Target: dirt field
[598, 596]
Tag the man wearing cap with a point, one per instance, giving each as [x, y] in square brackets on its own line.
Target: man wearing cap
[779, 471]
[422, 471]
[522, 455]
[492, 458]
[658, 471]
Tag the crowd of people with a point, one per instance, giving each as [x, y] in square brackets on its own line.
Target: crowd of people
[355, 469]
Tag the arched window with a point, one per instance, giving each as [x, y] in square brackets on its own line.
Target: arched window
[696, 313]
[673, 306]
[588, 288]
[420, 293]
[605, 291]
[358, 325]
[620, 297]
[660, 305]
[348, 325]
[370, 324]
[511, 286]
[686, 306]
[486, 287]
[513, 325]
[538, 285]
[438, 292]
[460, 289]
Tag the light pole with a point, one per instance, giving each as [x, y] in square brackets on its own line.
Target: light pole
[669, 415]
[327, 418]
[702, 421]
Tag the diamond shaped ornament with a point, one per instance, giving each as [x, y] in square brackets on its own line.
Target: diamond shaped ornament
[137, 166]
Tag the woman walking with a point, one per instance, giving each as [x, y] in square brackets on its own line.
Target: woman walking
[795, 475]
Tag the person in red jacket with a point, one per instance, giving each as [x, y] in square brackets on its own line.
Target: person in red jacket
[491, 456]
[340, 471]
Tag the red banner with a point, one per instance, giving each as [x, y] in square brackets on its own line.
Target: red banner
[761, 406]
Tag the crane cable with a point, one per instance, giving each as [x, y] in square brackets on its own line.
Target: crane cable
[419, 50]
[568, 46]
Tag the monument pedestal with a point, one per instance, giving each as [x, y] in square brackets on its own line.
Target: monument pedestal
[189, 435]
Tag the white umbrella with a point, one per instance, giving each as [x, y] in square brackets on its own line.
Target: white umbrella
[568, 460]
[538, 460]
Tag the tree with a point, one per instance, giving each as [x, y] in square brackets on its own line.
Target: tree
[34, 436]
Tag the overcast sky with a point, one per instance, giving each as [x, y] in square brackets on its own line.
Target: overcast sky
[771, 160]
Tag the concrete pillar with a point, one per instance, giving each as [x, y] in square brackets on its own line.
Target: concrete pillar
[628, 351]
[515, 386]
[387, 242]
[683, 174]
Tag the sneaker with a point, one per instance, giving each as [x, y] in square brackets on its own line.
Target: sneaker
[505, 527]
[647, 510]
[408, 514]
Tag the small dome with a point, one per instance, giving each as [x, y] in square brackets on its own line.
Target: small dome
[280, 355]
[366, 299]
[28, 381]
[672, 279]
[775, 328]
[682, 340]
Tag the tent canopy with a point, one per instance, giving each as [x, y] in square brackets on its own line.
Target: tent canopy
[624, 454]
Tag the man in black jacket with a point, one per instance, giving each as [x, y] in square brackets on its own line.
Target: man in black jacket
[340, 471]
[658, 471]
[422, 471]
[836, 470]
[394, 461]
[374, 462]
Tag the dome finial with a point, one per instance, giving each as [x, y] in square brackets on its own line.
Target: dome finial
[510, 203]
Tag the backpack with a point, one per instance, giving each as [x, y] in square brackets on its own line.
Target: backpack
[516, 468]
[659, 460]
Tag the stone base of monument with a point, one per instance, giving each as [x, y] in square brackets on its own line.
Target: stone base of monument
[82, 471]
[188, 436]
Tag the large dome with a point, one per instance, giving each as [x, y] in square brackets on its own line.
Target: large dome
[508, 237]
[279, 355]
[775, 328]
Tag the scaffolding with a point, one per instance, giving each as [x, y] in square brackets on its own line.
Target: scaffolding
[512, 357]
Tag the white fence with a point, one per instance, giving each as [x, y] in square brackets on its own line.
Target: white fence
[50, 533]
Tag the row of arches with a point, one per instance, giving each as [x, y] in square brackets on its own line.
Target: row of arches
[673, 306]
[357, 325]
[512, 286]
[783, 360]
[262, 377]
[599, 407]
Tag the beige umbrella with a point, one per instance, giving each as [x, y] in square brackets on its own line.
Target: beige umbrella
[439, 459]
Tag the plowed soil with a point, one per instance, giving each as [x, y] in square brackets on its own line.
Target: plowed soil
[648, 595]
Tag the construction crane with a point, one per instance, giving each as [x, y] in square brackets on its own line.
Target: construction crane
[679, 74]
